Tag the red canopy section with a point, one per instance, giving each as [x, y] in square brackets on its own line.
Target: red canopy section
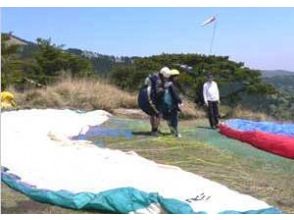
[277, 144]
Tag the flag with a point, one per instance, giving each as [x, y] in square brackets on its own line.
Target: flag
[208, 21]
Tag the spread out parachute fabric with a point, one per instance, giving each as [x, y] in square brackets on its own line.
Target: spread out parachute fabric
[274, 137]
[42, 158]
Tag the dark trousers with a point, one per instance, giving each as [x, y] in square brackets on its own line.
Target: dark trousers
[213, 114]
[172, 120]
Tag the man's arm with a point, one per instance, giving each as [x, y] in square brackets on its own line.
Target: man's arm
[159, 88]
[175, 94]
[204, 94]
[147, 81]
[217, 93]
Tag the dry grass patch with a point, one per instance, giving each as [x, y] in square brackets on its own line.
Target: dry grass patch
[191, 111]
[241, 112]
[86, 94]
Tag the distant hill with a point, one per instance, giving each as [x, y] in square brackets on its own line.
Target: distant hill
[17, 40]
[283, 83]
[102, 64]
[271, 73]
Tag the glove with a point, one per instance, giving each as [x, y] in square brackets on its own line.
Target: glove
[180, 107]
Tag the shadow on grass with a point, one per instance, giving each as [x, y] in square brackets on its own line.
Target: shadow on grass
[204, 127]
[148, 133]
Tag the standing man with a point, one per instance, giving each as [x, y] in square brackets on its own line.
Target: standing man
[150, 97]
[211, 99]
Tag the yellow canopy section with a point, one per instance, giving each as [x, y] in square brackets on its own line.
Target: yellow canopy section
[7, 100]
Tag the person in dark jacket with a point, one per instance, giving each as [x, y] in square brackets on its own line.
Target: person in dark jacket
[151, 95]
[171, 103]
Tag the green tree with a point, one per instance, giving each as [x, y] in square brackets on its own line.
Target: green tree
[53, 61]
[233, 78]
[10, 65]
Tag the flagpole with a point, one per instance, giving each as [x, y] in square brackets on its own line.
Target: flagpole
[212, 37]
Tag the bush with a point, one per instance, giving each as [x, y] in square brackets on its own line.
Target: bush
[241, 112]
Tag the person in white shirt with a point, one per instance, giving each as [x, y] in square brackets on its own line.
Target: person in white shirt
[211, 99]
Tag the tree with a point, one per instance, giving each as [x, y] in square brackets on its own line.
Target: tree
[52, 61]
[10, 65]
[233, 78]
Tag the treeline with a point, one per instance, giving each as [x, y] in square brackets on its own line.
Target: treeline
[40, 64]
[234, 79]
[239, 85]
[102, 64]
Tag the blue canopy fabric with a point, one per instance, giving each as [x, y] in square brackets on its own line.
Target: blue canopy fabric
[263, 126]
[120, 200]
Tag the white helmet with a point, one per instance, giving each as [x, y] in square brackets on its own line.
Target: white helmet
[165, 71]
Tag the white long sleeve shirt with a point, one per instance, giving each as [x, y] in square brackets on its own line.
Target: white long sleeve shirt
[210, 92]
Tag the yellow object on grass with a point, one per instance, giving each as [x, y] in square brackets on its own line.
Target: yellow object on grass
[7, 100]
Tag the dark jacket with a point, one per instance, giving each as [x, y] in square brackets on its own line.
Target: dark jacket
[175, 98]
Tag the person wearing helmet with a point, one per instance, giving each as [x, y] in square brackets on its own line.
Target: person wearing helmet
[211, 99]
[171, 103]
[150, 97]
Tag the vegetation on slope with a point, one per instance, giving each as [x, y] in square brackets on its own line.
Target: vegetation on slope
[28, 66]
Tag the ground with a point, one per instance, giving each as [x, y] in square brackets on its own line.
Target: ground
[202, 151]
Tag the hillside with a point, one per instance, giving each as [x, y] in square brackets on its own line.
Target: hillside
[271, 73]
[284, 83]
[14, 40]
[44, 63]
[102, 64]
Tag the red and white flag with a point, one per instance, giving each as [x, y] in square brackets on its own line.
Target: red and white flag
[208, 21]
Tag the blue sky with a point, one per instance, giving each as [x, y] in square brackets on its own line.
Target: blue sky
[263, 38]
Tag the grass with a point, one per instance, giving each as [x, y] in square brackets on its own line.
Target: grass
[241, 112]
[13, 202]
[91, 94]
[84, 94]
[257, 173]
[87, 94]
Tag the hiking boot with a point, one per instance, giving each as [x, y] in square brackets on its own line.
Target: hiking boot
[175, 132]
[178, 136]
[154, 133]
[160, 132]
